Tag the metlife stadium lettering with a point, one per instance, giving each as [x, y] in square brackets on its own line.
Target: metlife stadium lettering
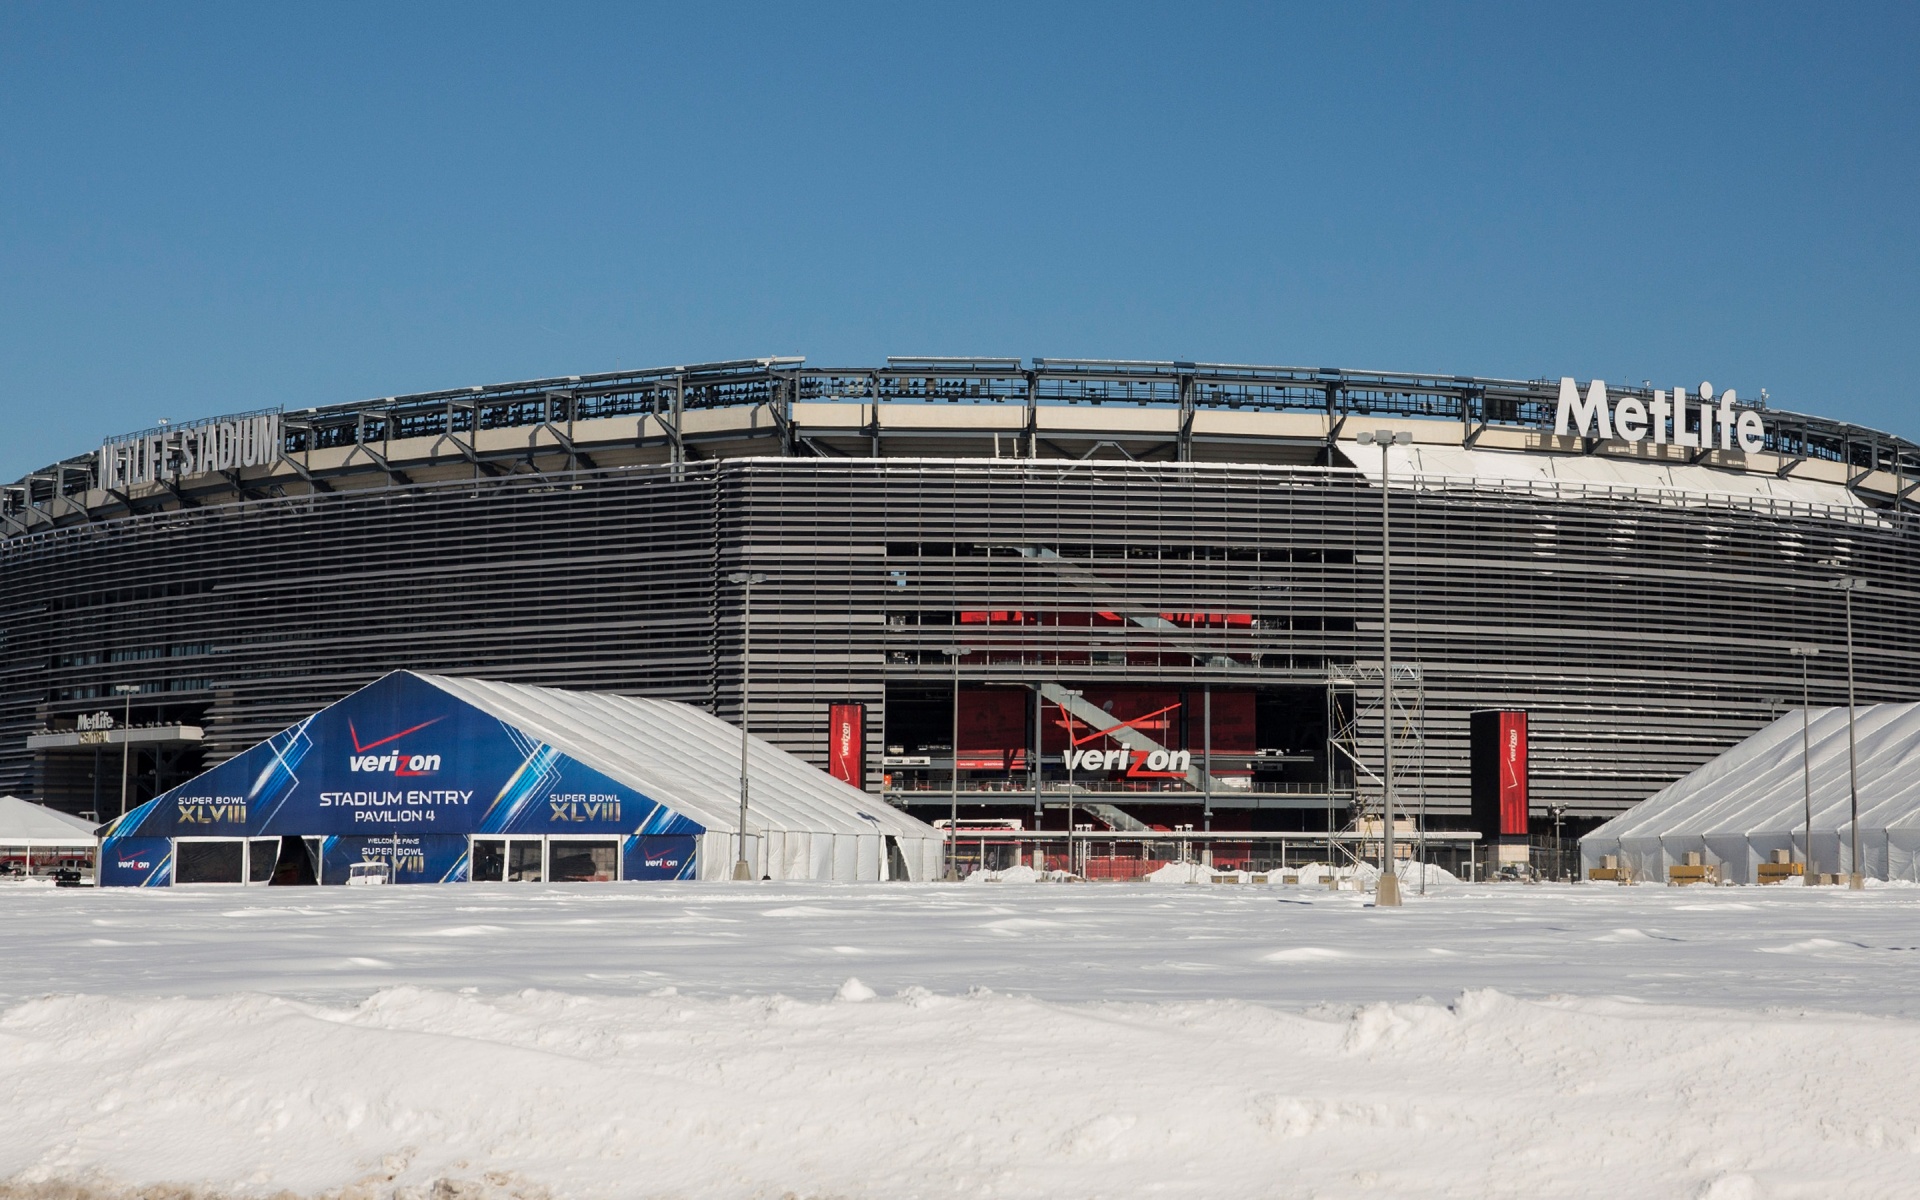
[178, 451]
[1632, 420]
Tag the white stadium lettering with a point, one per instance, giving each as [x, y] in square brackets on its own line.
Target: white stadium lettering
[1631, 420]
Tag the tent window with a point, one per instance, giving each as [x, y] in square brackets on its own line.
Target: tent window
[262, 855]
[489, 860]
[523, 860]
[583, 862]
[210, 862]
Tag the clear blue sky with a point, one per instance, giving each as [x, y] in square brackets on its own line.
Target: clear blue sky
[210, 209]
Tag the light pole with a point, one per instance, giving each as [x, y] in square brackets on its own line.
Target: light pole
[129, 690]
[1848, 585]
[742, 870]
[1039, 757]
[1066, 718]
[1206, 773]
[1387, 895]
[953, 654]
[1803, 653]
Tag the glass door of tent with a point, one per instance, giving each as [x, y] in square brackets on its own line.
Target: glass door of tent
[510, 860]
[525, 860]
[489, 861]
[539, 859]
[224, 860]
[583, 860]
[209, 860]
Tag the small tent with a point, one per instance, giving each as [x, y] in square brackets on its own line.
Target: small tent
[1751, 801]
[34, 835]
[461, 779]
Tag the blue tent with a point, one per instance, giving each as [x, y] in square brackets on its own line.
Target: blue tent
[457, 779]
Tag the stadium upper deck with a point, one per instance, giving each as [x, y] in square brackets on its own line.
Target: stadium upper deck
[937, 407]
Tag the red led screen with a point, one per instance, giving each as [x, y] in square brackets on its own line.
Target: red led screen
[847, 743]
[1513, 774]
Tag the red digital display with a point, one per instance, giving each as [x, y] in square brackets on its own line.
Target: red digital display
[1173, 719]
[1513, 774]
[993, 729]
[847, 743]
[995, 724]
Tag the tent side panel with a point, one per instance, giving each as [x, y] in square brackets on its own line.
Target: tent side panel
[1903, 854]
[795, 857]
[1593, 849]
[1733, 854]
[714, 859]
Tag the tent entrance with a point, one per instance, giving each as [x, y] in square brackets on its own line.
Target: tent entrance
[298, 864]
[225, 860]
[510, 859]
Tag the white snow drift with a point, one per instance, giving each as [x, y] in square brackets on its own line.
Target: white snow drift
[1043, 1040]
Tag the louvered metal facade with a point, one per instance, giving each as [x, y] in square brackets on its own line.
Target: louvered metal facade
[1049, 544]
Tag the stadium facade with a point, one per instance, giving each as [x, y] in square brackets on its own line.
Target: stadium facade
[1167, 576]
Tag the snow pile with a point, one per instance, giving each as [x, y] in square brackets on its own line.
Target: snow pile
[759, 1039]
[1410, 873]
[1196, 872]
[1014, 875]
[914, 1094]
[1366, 876]
[1182, 872]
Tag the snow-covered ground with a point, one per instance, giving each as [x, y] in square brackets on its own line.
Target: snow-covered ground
[989, 1039]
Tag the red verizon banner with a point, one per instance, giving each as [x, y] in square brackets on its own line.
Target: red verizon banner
[847, 743]
[1513, 774]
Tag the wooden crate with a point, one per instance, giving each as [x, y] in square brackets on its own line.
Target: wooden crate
[1682, 876]
[1772, 872]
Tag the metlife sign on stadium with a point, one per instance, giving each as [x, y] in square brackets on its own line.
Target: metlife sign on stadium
[1663, 420]
[180, 451]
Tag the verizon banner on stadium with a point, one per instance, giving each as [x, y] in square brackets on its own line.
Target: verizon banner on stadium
[1513, 774]
[1498, 768]
[847, 743]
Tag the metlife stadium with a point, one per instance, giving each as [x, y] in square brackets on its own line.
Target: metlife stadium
[1153, 586]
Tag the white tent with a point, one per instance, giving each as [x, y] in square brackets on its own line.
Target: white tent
[1749, 802]
[802, 823]
[24, 823]
[26, 827]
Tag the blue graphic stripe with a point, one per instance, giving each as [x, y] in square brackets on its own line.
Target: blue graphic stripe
[277, 781]
[539, 770]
